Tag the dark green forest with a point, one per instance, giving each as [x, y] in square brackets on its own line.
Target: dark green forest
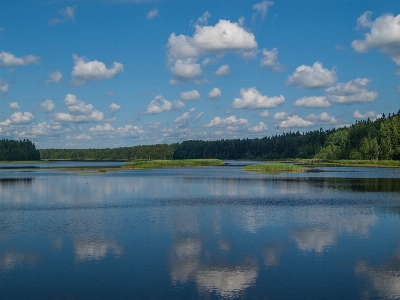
[377, 140]
[11, 150]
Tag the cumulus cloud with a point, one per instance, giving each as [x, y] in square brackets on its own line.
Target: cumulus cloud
[203, 20]
[270, 60]
[85, 71]
[8, 59]
[159, 104]
[264, 114]
[186, 69]
[295, 121]
[113, 108]
[190, 95]
[183, 120]
[233, 124]
[54, 77]
[280, 115]
[223, 71]
[261, 8]
[47, 106]
[313, 101]
[184, 51]
[368, 114]
[3, 87]
[19, 118]
[152, 14]
[78, 112]
[214, 94]
[14, 106]
[354, 91]
[314, 77]
[252, 99]
[324, 117]
[67, 14]
[384, 35]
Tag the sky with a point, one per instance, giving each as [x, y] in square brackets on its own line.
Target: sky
[117, 73]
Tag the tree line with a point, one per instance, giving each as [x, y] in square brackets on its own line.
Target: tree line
[11, 150]
[378, 140]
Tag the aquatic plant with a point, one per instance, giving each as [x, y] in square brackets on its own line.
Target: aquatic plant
[274, 167]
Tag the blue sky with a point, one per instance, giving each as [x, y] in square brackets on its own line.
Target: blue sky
[94, 74]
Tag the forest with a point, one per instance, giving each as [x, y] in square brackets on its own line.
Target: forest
[11, 150]
[377, 140]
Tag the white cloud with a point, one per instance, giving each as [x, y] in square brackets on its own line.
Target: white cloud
[384, 35]
[368, 114]
[225, 36]
[232, 124]
[113, 108]
[324, 117]
[295, 121]
[280, 115]
[19, 118]
[354, 91]
[313, 101]
[186, 69]
[84, 72]
[270, 60]
[159, 105]
[190, 95]
[262, 8]
[203, 20]
[229, 121]
[67, 14]
[54, 77]
[314, 77]
[214, 94]
[9, 60]
[264, 114]
[83, 136]
[152, 14]
[14, 106]
[3, 87]
[183, 120]
[252, 99]
[223, 71]
[105, 128]
[261, 127]
[78, 112]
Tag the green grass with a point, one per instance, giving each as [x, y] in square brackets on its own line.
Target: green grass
[274, 167]
[171, 163]
[352, 162]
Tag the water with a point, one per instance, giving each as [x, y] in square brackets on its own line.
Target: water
[199, 233]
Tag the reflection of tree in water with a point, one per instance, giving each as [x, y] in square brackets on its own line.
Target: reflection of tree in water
[383, 280]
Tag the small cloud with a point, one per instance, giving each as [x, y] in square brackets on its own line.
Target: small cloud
[54, 77]
[110, 93]
[280, 115]
[189, 95]
[8, 59]
[252, 99]
[152, 14]
[159, 105]
[203, 20]
[85, 71]
[314, 101]
[368, 114]
[264, 114]
[3, 87]
[47, 106]
[324, 117]
[214, 94]
[312, 77]
[261, 8]
[270, 60]
[14, 106]
[295, 121]
[223, 71]
[354, 91]
[67, 14]
[19, 118]
[114, 108]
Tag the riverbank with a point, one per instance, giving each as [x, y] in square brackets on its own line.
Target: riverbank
[356, 163]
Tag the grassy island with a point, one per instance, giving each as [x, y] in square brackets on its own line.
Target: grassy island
[274, 167]
[171, 163]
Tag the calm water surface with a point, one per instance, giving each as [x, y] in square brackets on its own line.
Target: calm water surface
[199, 233]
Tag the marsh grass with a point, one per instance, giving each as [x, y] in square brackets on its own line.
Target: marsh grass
[274, 167]
[352, 162]
[171, 163]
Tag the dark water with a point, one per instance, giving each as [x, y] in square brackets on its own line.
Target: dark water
[199, 233]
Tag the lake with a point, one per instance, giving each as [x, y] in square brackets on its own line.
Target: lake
[198, 233]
